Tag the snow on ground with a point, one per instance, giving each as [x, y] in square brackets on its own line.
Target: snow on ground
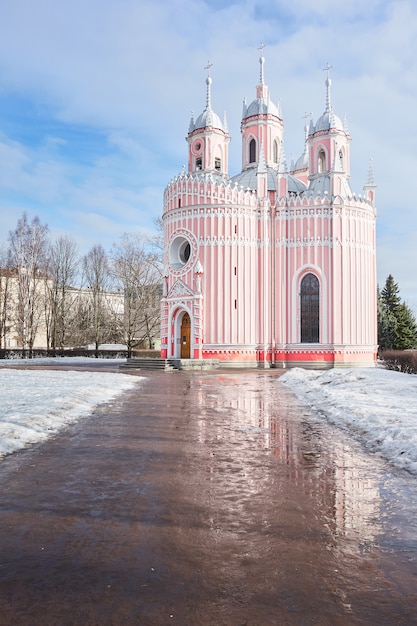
[58, 360]
[36, 404]
[377, 405]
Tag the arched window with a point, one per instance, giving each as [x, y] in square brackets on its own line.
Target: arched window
[321, 161]
[310, 305]
[252, 151]
[275, 151]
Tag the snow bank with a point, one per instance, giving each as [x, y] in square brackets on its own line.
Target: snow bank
[36, 404]
[377, 405]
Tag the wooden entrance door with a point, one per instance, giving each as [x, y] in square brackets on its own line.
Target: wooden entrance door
[185, 336]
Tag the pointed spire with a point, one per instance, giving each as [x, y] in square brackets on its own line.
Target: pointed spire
[208, 83]
[345, 125]
[371, 180]
[261, 162]
[282, 167]
[225, 126]
[192, 123]
[370, 186]
[307, 116]
[328, 84]
[261, 61]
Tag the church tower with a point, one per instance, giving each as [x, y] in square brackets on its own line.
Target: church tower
[270, 267]
[208, 139]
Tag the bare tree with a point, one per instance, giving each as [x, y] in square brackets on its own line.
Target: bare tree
[60, 310]
[6, 292]
[28, 248]
[157, 241]
[136, 273]
[96, 273]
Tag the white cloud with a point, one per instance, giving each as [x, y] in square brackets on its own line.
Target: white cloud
[132, 71]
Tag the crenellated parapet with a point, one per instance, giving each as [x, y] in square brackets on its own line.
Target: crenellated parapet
[314, 200]
[196, 189]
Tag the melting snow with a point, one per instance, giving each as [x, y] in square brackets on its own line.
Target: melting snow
[377, 405]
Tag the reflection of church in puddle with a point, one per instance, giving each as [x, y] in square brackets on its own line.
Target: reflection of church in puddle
[272, 266]
[331, 475]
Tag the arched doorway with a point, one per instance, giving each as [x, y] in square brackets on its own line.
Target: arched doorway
[185, 336]
[310, 309]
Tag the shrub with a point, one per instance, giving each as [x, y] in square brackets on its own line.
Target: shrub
[400, 360]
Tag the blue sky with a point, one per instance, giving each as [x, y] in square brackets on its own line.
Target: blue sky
[96, 98]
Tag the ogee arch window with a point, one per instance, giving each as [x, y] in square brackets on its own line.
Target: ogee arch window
[275, 151]
[310, 309]
[321, 162]
[252, 151]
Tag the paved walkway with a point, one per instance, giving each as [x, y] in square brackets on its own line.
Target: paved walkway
[197, 499]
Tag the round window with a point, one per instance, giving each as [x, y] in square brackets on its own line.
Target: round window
[180, 252]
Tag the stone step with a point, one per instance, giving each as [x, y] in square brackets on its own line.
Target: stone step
[148, 363]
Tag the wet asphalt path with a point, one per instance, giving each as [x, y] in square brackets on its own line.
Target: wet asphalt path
[206, 498]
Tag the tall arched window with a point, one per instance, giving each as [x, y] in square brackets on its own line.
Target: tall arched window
[310, 305]
[275, 151]
[252, 151]
[321, 161]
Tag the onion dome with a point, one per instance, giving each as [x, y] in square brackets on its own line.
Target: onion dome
[328, 120]
[262, 105]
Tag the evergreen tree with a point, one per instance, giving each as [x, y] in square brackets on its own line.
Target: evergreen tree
[397, 326]
[390, 296]
[406, 328]
[387, 325]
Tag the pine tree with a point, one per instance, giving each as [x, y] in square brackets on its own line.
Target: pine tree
[390, 296]
[406, 328]
[397, 326]
[387, 325]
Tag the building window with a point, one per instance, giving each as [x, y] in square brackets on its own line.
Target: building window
[180, 252]
[217, 165]
[275, 151]
[341, 166]
[199, 163]
[321, 161]
[252, 151]
[310, 304]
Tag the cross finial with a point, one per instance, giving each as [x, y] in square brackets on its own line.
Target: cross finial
[208, 83]
[208, 67]
[327, 69]
[307, 116]
[328, 83]
[261, 61]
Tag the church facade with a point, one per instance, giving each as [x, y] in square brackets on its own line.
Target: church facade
[274, 266]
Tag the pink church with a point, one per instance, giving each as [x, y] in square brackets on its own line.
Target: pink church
[271, 267]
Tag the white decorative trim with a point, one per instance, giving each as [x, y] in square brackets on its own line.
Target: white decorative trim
[180, 290]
